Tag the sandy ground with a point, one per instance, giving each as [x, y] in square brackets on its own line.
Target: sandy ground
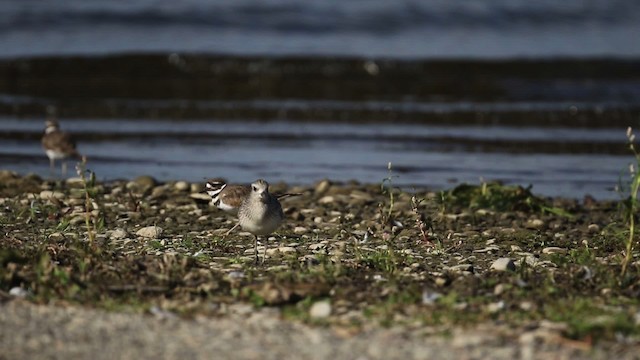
[30, 331]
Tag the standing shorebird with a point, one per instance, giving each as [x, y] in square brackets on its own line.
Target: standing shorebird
[259, 212]
[58, 145]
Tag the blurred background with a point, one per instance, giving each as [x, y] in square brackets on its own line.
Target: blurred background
[532, 93]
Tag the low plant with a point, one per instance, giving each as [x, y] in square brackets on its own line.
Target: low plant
[630, 204]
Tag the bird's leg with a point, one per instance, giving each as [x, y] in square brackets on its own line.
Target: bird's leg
[64, 168]
[229, 232]
[52, 166]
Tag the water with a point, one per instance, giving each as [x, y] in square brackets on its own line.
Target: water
[351, 100]
[362, 28]
[302, 153]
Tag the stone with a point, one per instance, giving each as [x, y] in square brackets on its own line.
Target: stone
[488, 249]
[300, 230]
[535, 224]
[322, 187]
[554, 250]
[462, 268]
[48, 194]
[151, 232]
[200, 196]
[18, 292]
[182, 186]
[503, 264]
[118, 234]
[496, 307]
[326, 199]
[594, 228]
[320, 309]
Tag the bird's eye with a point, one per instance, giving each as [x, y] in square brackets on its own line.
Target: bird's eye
[255, 188]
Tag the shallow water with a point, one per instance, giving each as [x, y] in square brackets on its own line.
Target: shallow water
[301, 153]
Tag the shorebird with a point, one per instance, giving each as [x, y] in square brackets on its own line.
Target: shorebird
[58, 145]
[259, 212]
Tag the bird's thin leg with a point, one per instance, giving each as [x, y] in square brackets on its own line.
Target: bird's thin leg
[64, 168]
[52, 166]
[229, 232]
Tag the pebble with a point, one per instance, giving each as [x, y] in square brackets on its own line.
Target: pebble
[326, 199]
[495, 307]
[320, 309]
[593, 228]
[462, 268]
[535, 224]
[182, 186]
[118, 234]
[430, 297]
[48, 194]
[503, 264]
[195, 188]
[56, 236]
[488, 249]
[322, 187]
[200, 196]
[317, 246]
[300, 230]
[554, 250]
[151, 232]
[18, 292]
[281, 250]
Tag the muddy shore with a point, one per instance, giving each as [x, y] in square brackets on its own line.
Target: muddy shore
[469, 272]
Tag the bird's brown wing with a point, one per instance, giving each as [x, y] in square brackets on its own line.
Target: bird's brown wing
[60, 142]
[233, 195]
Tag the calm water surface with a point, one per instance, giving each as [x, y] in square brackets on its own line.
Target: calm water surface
[302, 153]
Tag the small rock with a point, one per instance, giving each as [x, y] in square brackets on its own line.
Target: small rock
[488, 249]
[440, 281]
[322, 187]
[48, 194]
[142, 183]
[361, 195]
[300, 230]
[499, 289]
[151, 232]
[495, 307]
[326, 199]
[503, 264]
[430, 297]
[320, 309]
[535, 224]
[118, 234]
[594, 228]
[182, 186]
[317, 246]
[56, 236]
[195, 188]
[553, 250]
[200, 196]
[18, 292]
[278, 250]
[462, 268]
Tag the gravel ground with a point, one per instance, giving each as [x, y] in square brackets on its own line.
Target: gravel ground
[30, 331]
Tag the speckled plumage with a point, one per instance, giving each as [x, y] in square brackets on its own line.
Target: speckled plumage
[260, 213]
